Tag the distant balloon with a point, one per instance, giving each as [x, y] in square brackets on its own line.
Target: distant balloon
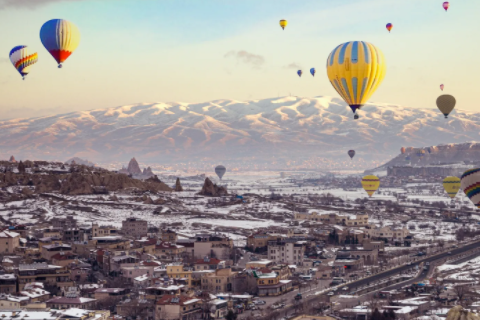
[220, 171]
[407, 158]
[446, 103]
[402, 150]
[370, 184]
[312, 71]
[470, 184]
[429, 150]
[283, 24]
[419, 152]
[446, 5]
[299, 72]
[389, 27]
[60, 37]
[22, 59]
[451, 186]
[356, 69]
[351, 153]
[442, 86]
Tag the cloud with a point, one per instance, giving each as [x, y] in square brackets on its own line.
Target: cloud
[242, 56]
[293, 65]
[32, 4]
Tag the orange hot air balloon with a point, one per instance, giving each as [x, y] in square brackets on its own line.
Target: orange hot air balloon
[402, 150]
[389, 27]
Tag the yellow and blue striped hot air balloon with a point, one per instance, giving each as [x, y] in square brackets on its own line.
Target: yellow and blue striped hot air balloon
[370, 184]
[60, 37]
[356, 69]
[451, 186]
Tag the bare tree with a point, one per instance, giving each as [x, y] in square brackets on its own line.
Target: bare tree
[461, 291]
[134, 310]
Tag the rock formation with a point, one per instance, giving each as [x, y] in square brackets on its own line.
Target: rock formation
[459, 313]
[77, 160]
[12, 159]
[212, 190]
[133, 167]
[178, 186]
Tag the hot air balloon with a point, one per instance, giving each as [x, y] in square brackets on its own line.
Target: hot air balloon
[429, 150]
[283, 24]
[446, 103]
[470, 184]
[451, 186]
[312, 71]
[370, 184]
[299, 72]
[351, 153]
[22, 59]
[442, 86]
[389, 27]
[419, 152]
[356, 69]
[60, 37]
[446, 5]
[407, 158]
[402, 150]
[220, 171]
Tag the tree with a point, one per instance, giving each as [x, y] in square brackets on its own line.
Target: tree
[231, 315]
[460, 291]
[376, 315]
[134, 310]
[392, 314]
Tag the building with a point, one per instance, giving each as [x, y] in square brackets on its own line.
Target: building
[370, 257]
[333, 218]
[169, 236]
[157, 291]
[105, 293]
[218, 308]
[135, 227]
[259, 264]
[64, 259]
[171, 307]
[103, 231]
[64, 223]
[212, 245]
[75, 234]
[209, 264]
[258, 242]
[177, 272]
[132, 272]
[48, 251]
[168, 249]
[8, 283]
[270, 284]
[9, 241]
[287, 251]
[9, 303]
[388, 233]
[219, 281]
[42, 272]
[71, 301]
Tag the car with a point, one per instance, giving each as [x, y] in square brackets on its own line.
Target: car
[298, 296]
[259, 302]
[331, 293]
[449, 252]
[334, 289]
[345, 288]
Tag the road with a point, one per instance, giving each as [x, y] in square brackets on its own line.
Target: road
[383, 275]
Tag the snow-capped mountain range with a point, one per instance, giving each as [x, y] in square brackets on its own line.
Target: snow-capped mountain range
[287, 127]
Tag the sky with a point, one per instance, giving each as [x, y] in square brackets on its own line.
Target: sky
[136, 51]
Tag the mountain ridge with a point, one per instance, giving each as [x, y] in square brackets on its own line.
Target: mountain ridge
[256, 130]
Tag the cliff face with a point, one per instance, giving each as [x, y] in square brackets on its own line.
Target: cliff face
[80, 180]
[212, 190]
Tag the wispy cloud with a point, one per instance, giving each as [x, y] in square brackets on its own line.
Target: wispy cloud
[31, 4]
[293, 65]
[242, 56]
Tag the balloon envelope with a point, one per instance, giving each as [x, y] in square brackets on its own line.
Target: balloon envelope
[370, 184]
[299, 72]
[445, 5]
[389, 27]
[283, 24]
[441, 87]
[446, 103]
[22, 59]
[351, 153]
[60, 37]
[451, 186]
[312, 71]
[220, 171]
[470, 184]
[355, 70]
[402, 150]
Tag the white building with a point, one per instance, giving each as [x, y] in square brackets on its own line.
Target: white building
[286, 252]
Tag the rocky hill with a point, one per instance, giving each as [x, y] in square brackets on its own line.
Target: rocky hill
[77, 160]
[42, 177]
[133, 169]
[270, 129]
